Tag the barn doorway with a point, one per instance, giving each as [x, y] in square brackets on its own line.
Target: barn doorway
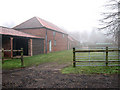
[50, 46]
[19, 43]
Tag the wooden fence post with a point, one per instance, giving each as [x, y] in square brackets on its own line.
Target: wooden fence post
[106, 56]
[74, 63]
[2, 55]
[22, 57]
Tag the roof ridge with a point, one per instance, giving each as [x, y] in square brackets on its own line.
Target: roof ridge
[39, 19]
[52, 26]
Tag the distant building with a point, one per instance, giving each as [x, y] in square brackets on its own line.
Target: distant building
[72, 42]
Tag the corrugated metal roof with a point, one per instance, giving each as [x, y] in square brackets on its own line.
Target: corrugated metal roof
[9, 31]
[37, 22]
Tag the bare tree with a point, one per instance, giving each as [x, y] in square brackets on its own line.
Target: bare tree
[111, 20]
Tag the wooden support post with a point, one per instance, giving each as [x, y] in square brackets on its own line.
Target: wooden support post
[2, 55]
[11, 41]
[118, 53]
[74, 63]
[31, 53]
[106, 56]
[30, 47]
[22, 63]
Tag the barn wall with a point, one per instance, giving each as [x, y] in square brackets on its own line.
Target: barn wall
[70, 44]
[37, 46]
[37, 32]
[61, 42]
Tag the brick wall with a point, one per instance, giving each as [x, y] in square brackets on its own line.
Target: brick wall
[61, 42]
[70, 44]
[37, 32]
[37, 46]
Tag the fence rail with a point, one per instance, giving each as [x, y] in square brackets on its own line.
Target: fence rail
[3, 57]
[75, 60]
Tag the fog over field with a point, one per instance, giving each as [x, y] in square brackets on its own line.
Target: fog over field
[80, 18]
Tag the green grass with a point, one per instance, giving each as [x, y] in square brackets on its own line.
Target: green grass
[63, 57]
[91, 70]
[59, 57]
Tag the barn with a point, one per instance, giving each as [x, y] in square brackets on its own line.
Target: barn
[72, 42]
[56, 39]
[15, 40]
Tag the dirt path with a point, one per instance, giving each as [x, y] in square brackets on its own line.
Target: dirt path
[49, 76]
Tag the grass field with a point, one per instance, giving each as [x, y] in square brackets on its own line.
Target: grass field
[63, 57]
[92, 70]
[59, 57]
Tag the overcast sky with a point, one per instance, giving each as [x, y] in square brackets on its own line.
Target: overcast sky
[72, 15]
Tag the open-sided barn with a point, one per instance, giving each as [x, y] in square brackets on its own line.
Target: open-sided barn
[55, 38]
[15, 40]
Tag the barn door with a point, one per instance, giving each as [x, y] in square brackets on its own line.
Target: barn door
[50, 46]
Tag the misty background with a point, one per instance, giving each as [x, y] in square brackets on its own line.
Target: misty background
[80, 18]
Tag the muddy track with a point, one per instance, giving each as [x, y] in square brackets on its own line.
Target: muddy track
[48, 75]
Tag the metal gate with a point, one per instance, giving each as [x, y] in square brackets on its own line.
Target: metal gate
[99, 56]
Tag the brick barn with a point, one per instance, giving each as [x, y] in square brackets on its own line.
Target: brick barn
[15, 40]
[55, 38]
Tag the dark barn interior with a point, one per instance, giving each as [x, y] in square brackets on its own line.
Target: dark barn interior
[30, 46]
[19, 43]
[6, 44]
